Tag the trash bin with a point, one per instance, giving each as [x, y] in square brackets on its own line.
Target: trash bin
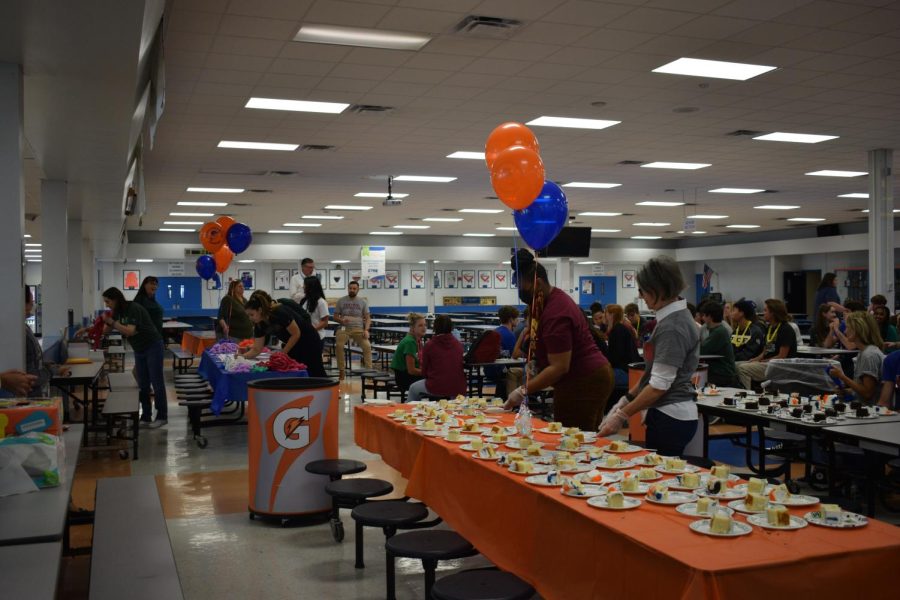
[636, 430]
[292, 421]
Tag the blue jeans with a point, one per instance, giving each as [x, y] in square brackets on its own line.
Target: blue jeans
[666, 435]
[416, 390]
[148, 366]
[621, 377]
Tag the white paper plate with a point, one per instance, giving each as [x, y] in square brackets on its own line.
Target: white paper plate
[378, 402]
[625, 464]
[641, 490]
[538, 469]
[762, 521]
[469, 448]
[737, 528]
[514, 444]
[547, 430]
[848, 520]
[687, 469]
[488, 421]
[541, 480]
[674, 498]
[493, 410]
[628, 449]
[726, 494]
[463, 439]
[797, 500]
[742, 487]
[590, 491]
[656, 478]
[422, 428]
[607, 478]
[579, 468]
[479, 431]
[601, 502]
[674, 485]
[581, 448]
[499, 454]
[739, 506]
[690, 510]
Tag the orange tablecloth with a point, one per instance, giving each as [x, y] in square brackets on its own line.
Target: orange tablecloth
[570, 550]
[197, 341]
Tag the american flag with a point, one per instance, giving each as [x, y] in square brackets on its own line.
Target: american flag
[707, 276]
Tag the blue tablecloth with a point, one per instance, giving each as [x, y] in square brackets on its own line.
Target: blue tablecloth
[233, 386]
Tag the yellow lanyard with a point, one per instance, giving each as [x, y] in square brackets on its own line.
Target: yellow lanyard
[740, 333]
[771, 335]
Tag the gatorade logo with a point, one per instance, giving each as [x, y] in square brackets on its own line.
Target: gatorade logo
[289, 429]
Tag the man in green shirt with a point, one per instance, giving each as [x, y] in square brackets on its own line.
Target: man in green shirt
[722, 371]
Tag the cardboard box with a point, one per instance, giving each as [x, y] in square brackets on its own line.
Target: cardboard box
[19, 416]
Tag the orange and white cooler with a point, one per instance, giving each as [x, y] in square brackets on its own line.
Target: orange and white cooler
[292, 421]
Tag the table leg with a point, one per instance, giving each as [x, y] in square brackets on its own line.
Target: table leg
[748, 450]
[762, 452]
[832, 468]
[871, 473]
[705, 437]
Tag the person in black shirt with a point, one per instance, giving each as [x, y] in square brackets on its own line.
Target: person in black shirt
[622, 347]
[299, 338]
[747, 337]
[780, 342]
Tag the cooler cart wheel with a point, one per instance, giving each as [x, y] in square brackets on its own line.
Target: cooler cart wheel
[123, 454]
[337, 530]
[201, 441]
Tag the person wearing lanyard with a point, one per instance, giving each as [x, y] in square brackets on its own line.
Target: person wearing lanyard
[748, 338]
[565, 352]
[665, 390]
[781, 342]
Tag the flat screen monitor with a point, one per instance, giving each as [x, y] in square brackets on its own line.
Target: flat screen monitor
[571, 242]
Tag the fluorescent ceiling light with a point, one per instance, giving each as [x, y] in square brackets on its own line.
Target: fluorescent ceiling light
[656, 203]
[776, 207]
[347, 207]
[589, 262]
[799, 138]
[646, 237]
[465, 154]
[806, 219]
[572, 123]
[378, 195]
[865, 210]
[27, 235]
[742, 226]
[644, 224]
[605, 230]
[34, 260]
[707, 217]
[675, 165]
[385, 233]
[506, 262]
[693, 232]
[412, 226]
[247, 260]
[340, 262]
[190, 214]
[328, 217]
[442, 220]
[33, 245]
[38, 250]
[296, 105]
[205, 190]
[717, 69]
[854, 195]
[176, 229]
[506, 228]
[425, 178]
[588, 184]
[182, 222]
[144, 260]
[832, 173]
[258, 146]
[736, 191]
[422, 262]
[284, 231]
[599, 214]
[479, 234]
[301, 224]
[202, 204]
[359, 36]
[486, 211]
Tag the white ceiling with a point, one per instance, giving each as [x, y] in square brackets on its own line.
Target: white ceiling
[838, 73]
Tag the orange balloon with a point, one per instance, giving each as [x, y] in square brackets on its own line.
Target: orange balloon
[518, 177]
[211, 236]
[505, 136]
[225, 222]
[223, 257]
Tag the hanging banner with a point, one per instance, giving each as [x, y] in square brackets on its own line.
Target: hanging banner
[372, 259]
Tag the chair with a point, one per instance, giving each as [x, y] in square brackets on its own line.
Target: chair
[428, 545]
[390, 515]
[481, 584]
[350, 493]
[335, 468]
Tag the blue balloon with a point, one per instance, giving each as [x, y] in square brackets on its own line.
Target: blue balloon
[206, 266]
[217, 281]
[239, 237]
[542, 221]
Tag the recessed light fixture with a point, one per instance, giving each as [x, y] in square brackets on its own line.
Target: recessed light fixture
[33, 245]
[832, 173]
[647, 224]
[693, 232]
[296, 105]
[412, 226]
[707, 217]
[360, 36]
[258, 146]
[717, 69]
[301, 224]
[423, 262]
[486, 211]
[182, 222]
[284, 231]
[378, 195]
[424, 178]
[799, 138]
[588, 184]
[657, 203]
[854, 195]
[599, 214]
[33, 250]
[327, 217]
[176, 229]
[742, 226]
[865, 210]
[806, 219]
[506, 229]
[202, 204]
[27, 235]
[572, 123]
[605, 230]
[776, 207]
[143, 260]
[646, 237]
[385, 233]
[736, 191]
[34, 260]
[190, 214]
[346, 207]
[340, 262]
[466, 154]
[588, 262]
[479, 234]
[442, 220]
[675, 165]
[206, 190]
[247, 260]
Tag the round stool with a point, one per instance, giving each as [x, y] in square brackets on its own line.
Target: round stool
[428, 545]
[390, 515]
[335, 468]
[481, 584]
[349, 493]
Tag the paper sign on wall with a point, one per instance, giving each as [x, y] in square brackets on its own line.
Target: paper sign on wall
[176, 269]
[372, 260]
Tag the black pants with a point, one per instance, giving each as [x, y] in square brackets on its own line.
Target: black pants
[666, 435]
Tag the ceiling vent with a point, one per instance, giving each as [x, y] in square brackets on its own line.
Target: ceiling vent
[369, 108]
[317, 148]
[242, 173]
[744, 133]
[281, 173]
[259, 191]
[631, 162]
[492, 27]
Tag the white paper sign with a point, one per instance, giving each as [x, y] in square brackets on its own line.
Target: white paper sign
[176, 269]
[689, 225]
[372, 259]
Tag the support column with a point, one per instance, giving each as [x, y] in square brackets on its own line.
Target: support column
[881, 225]
[54, 269]
[429, 286]
[76, 278]
[12, 225]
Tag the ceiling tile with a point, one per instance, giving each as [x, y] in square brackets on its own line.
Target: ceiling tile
[286, 80]
[193, 21]
[341, 84]
[322, 52]
[582, 57]
[237, 62]
[713, 27]
[230, 76]
[523, 51]
[581, 12]
[300, 67]
[418, 76]
[875, 47]
[443, 62]
[188, 42]
[614, 40]
[826, 40]
[270, 29]
[761, 10]
[552, 33]
[527, 10]
[349, 14]
[772, 34]
[651, 20]
[674, 46]
[272, 9]
[461, 45]
[185, 59]
[428, 21]
[361, 71]
[822, 13]
[223, 89]
[225, 44]
[378, 56]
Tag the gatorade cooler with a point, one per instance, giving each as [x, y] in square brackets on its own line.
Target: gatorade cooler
[292, 421]
[636, 430]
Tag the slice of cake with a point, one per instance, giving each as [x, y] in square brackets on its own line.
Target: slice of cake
[756, 485]
[525, 442]
[554, 426]
[497, 402]
[629, 482]
[566, 464]
[499, 437]
[579, 437]
[689, 480]
[523, 466]
[756, 502]
[647, 473]
[479, 419]
[778, 516]
[429, 425]
[615, 499]
[721, 523]
[592, 476]
[720, 471]
[453, 435]
[487, 452]
[779, 493]
[706, 506]
[573, 486]
[594, 452]
[477, 444]
[471, 427]
[612, 460]
[569, 443]
[831, 513]
[533, 450]
[659, 492]
[653, 459]
[498, 429]
[675, 464]
[571, 430]
[619, 445]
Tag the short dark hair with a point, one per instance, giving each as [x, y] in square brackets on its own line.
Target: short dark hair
[746, 308]
[879, 300]
[526, 267]
[442, 324]
[307, 261]
[353, 282]
[632, 309]
[713, 310]
[507, 313]
[854, 306]
[692, 309]
[596, 307]
[662, 277]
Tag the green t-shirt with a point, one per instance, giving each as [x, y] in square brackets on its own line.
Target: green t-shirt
[719, 342]
[232, 312]
[406, 347]
[146, 333]
[154, 309]
[891, 337]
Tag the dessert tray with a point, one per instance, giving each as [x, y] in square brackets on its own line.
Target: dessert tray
[737, 528]
[602, 502]
[762, 521]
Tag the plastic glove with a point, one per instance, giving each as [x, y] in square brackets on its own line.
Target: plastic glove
[614, 422]
[617, 406]
[515, 398]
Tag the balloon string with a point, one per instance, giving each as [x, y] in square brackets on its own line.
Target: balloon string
[530, 313]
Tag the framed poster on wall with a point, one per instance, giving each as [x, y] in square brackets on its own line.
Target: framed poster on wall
[467, 279]
[248, 278]
[451, 279]
[438, 279]
[501, 280]
[376, 283]
[281, 279]
[337, 279]
[355, 275]
[131, 280]
[628, 279]
[484, 279]
[417, 278]
[391, 280]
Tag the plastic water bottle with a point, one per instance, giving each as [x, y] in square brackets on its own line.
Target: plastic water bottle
[523, 420]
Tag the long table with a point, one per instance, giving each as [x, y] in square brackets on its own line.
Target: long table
[232, 387]
[567, 549]
[196, 342]
[30, 570]
[86, 376]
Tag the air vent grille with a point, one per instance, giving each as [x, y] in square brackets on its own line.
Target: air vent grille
[370, 108]
[744, 133]
[631, 162]
[317, 148]
[494, 27]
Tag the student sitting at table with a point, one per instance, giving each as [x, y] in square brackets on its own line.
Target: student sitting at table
[876, 301]
[34, 357]
[862, 333]
[781, 342]
[598, 318]
[621, 345]
[748, 337]
[509, 317]
[299, 338]
[890, 382]
[820, 335]
[722, 371]
[885, 328]
[405, 362]
[442, 364]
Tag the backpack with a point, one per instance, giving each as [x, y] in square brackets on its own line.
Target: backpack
[485, 349]
[295, 308]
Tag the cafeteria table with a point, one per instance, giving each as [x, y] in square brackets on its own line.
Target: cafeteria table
[874, 438]
[232, 387]
[567, 549]
[86, 376]
[31, 570]
[195, 341]
[816, 351]
[40, 516]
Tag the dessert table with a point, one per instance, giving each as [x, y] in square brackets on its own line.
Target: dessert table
[568, 549]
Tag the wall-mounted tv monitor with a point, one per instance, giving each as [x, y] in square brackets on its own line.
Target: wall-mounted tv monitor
[571, 242]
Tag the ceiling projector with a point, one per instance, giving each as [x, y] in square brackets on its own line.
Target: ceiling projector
[390, 200]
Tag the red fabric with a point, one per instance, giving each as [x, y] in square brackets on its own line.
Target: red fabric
[442, 366]
[95, 333]
[564, 328]
[486, 348]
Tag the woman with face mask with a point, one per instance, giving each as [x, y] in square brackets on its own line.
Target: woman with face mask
[566, 355]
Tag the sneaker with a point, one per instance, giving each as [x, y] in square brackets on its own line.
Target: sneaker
[159, 423]
[146, 424]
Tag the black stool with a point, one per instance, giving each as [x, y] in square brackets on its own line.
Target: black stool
[428, 545]
[481, 584]
[350, 493]
[390, 515]
[335, 468]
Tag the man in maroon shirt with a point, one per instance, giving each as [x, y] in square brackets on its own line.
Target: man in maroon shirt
[566, 355]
